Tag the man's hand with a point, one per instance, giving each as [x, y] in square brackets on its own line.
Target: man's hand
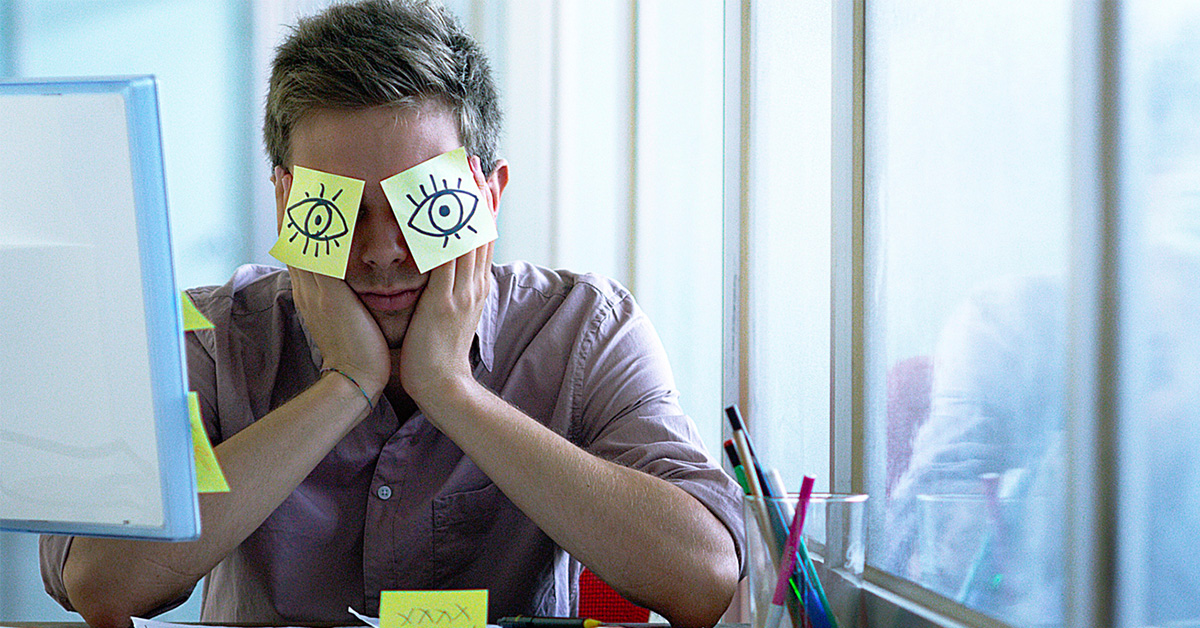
[349, 338]
[436, 351]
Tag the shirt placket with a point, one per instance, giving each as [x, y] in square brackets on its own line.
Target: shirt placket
[387, 501]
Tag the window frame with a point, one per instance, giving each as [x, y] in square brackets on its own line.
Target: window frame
[1093, 384]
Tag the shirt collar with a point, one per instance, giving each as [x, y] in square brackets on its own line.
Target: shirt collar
[485, 333]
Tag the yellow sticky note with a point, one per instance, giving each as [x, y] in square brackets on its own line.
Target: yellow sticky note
[440, 209]
[192, 318]
[433, 609]
[318, 224]
[209, 478]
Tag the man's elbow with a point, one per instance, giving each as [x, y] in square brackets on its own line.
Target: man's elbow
[105, 599]
[707, 595]
[100, 605]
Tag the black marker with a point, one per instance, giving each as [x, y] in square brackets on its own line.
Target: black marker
[522, 621]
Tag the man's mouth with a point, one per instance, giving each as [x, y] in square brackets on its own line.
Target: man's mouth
[390, 300]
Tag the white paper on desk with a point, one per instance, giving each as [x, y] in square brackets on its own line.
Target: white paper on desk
[370, 621]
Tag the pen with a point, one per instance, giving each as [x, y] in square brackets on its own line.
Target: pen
[739, 471]
[748, 458]
[811, 583]
[770, 536]
[521, 621]
[775, 614]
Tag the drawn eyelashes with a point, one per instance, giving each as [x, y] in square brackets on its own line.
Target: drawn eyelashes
[443, 213]
[323, 222]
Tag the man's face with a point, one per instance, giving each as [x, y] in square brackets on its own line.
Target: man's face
[372, 145]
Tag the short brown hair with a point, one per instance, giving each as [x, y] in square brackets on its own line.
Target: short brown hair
[382, 52]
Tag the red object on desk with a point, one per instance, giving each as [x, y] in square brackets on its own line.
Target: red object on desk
[599, 601]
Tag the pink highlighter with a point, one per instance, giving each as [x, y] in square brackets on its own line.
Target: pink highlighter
[775, 613]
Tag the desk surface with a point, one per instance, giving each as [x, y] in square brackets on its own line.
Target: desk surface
[79, 624]
[69, 624]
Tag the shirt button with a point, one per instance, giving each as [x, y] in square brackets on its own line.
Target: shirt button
[384, 492]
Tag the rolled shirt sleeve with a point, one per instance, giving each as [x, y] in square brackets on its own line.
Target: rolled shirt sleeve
[629, 411]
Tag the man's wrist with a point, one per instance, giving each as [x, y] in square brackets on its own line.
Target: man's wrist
[449, 397]
[343, 386]
[366, 396]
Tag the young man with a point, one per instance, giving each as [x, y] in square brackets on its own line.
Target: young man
[477, 426]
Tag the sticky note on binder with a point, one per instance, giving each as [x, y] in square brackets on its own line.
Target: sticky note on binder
[440, 609]
[209, 478]
[192, 318]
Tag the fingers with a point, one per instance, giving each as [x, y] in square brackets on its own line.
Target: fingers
[441, 280]
[477, 172]
[490, 254]
[482, 182]
[348, 337]
[470, 271]
[306, 293]
[312, 288]
[483, 265]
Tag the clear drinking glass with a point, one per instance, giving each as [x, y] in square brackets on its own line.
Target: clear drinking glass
[834, 537]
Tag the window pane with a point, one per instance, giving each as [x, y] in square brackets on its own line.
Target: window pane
[195, 50]
[1159, 514]
[789, 238]
[967, 238]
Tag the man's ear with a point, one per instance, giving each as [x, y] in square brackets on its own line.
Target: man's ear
[496, 183]
[283, 186]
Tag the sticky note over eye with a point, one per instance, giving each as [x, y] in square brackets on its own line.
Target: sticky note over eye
[440, 209]
[209, 478]
[318, 222]
[428, 609]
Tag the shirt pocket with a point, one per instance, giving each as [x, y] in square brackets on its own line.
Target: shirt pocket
[462, 524]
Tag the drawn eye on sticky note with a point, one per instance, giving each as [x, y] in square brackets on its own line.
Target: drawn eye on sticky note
[440, 209]
[318, 224]
[433, 609]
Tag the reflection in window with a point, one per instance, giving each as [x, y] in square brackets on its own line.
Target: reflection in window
[967, 239]
[1158, 576]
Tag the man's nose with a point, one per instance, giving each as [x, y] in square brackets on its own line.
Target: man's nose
[378, 240]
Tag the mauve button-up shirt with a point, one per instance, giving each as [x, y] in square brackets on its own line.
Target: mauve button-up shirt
[397, 505]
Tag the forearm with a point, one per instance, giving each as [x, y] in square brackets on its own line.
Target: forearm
[108, 580]
[649, 539]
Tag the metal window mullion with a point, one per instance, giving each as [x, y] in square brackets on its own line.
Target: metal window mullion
[847, 267]
[1089, 584]
[735, 253]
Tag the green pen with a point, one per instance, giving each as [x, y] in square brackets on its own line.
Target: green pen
[739, 471]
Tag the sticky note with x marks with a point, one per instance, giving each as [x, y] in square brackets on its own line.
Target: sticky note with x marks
[318, 224]
[433, 609]
[441, 210]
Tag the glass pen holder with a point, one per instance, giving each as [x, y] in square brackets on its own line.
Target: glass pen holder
[834, 546]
